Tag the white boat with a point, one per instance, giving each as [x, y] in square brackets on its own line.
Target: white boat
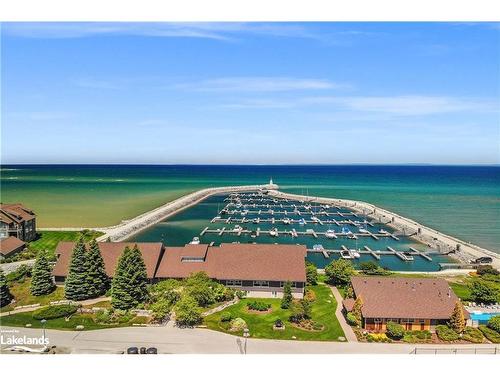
[352, 236]
[407, 256]
[237, 228]
[345, 254]
[355, 254]
[307, 207]
[325, 206]
[383, 231]
[363, 230]
[273, 232]
[244, 213]
[302, 221]
[330, 233]
[286, 220]
[318, 247]
[195, 241]
[314, 219]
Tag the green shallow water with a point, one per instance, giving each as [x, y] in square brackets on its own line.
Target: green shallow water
[460, 201]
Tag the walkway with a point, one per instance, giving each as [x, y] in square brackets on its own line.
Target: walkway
[348, 332]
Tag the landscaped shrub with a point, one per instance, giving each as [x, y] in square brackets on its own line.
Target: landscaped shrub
[377, 337]
[395, 331]
[352, 319]
[490, 334]
[494, 323]
[226, 316]
[19, 275]
[445, 333]
[310, 295]
[487, 270]
[187, 311]
[103, 316]
[241, 294]
[278, 323]
[413, 337]
[54, 312]
[301, 310]
[473, 335]
[258, 306]
[237, 325]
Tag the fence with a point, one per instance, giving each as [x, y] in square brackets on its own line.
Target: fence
[494, 350]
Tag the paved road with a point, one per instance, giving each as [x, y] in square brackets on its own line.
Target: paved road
[174, 340]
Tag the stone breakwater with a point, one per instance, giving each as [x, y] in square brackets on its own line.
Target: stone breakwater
[133, 226]
[461, 250]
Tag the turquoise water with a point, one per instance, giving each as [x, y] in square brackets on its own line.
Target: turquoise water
[461, 201]
[181, 228]
[483, 318]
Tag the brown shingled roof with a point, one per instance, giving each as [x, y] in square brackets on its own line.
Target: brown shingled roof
[396, 297]
[10, 244]
[110, 251]
[239, 262]
[16, 212]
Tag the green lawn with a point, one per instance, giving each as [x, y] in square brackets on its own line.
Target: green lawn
[48, 240]
[261, 325]
[461, 290]
[22, 295]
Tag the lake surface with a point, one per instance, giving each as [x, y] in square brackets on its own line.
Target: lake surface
[461, 201]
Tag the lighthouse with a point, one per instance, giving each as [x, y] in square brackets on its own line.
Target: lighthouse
[271, 181]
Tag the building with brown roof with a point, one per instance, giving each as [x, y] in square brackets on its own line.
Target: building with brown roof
[10, 246]
[415, 303]
[17, 221]
[259, 269]
[111, 252]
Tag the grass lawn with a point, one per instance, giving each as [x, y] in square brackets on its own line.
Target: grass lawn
[48, 240]
[22, 295]
[462, 291]
[87, 320]
[261, 325]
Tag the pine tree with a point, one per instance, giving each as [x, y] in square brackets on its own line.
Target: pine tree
[96, 274]
[5, 296]
[76, 287]
[457, 319]
[139, 280]
[287, 299]
[41, 276]
[129, 285]
[356, 308]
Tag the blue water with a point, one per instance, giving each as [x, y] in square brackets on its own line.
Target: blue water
[457, 200]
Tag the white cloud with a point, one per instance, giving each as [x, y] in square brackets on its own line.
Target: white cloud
[411, 105]
[268, 84]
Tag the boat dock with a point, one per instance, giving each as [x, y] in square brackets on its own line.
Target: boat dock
[377, 254]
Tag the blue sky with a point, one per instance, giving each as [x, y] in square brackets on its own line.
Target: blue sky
[251, 93]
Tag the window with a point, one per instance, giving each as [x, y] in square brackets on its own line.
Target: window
[261, 284]
[282, 284]
[233, 282]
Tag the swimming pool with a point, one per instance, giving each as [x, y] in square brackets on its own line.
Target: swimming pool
[483, 318]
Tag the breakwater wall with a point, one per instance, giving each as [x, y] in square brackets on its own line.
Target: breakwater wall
[128, 228]
[461, 250]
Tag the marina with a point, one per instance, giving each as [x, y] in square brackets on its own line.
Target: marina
[328, 231]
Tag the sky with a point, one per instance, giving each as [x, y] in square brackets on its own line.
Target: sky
[250, 93]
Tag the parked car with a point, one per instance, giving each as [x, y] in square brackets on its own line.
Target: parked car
[133, 350]
[152, 351]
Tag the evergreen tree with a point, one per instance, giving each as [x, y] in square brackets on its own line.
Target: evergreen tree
[97, 278]
[5, 296]
[76, 287]
[457, 319]
[356, 308]
[287, 299]
[41, 276]
[129, 285]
